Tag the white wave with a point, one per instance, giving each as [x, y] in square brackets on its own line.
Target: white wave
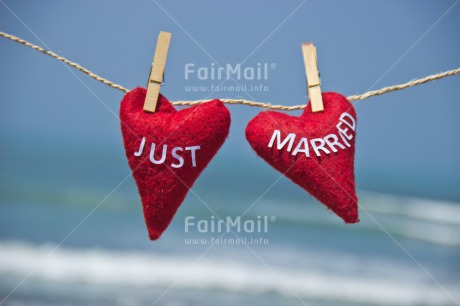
[436, 211]
[433, 222]
[144, 270]
[418, 230]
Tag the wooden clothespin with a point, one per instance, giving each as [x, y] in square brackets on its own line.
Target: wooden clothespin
[156, 73]
[313, 80]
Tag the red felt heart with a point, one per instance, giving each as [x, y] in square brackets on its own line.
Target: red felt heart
[316, 151]
[183, 143]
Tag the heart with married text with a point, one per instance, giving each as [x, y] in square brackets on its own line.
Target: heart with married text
[315, 150]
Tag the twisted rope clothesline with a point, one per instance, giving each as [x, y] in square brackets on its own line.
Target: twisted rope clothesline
[64, 60]
[235, 101]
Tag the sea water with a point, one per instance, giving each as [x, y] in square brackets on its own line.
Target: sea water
[72, 234]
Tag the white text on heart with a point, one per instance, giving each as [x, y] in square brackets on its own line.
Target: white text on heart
[174, 152]
[326, 144]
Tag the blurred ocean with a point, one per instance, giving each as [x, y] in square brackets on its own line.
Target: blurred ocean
[64, 241]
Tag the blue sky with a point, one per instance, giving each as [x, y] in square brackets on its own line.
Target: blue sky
[407, 141]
